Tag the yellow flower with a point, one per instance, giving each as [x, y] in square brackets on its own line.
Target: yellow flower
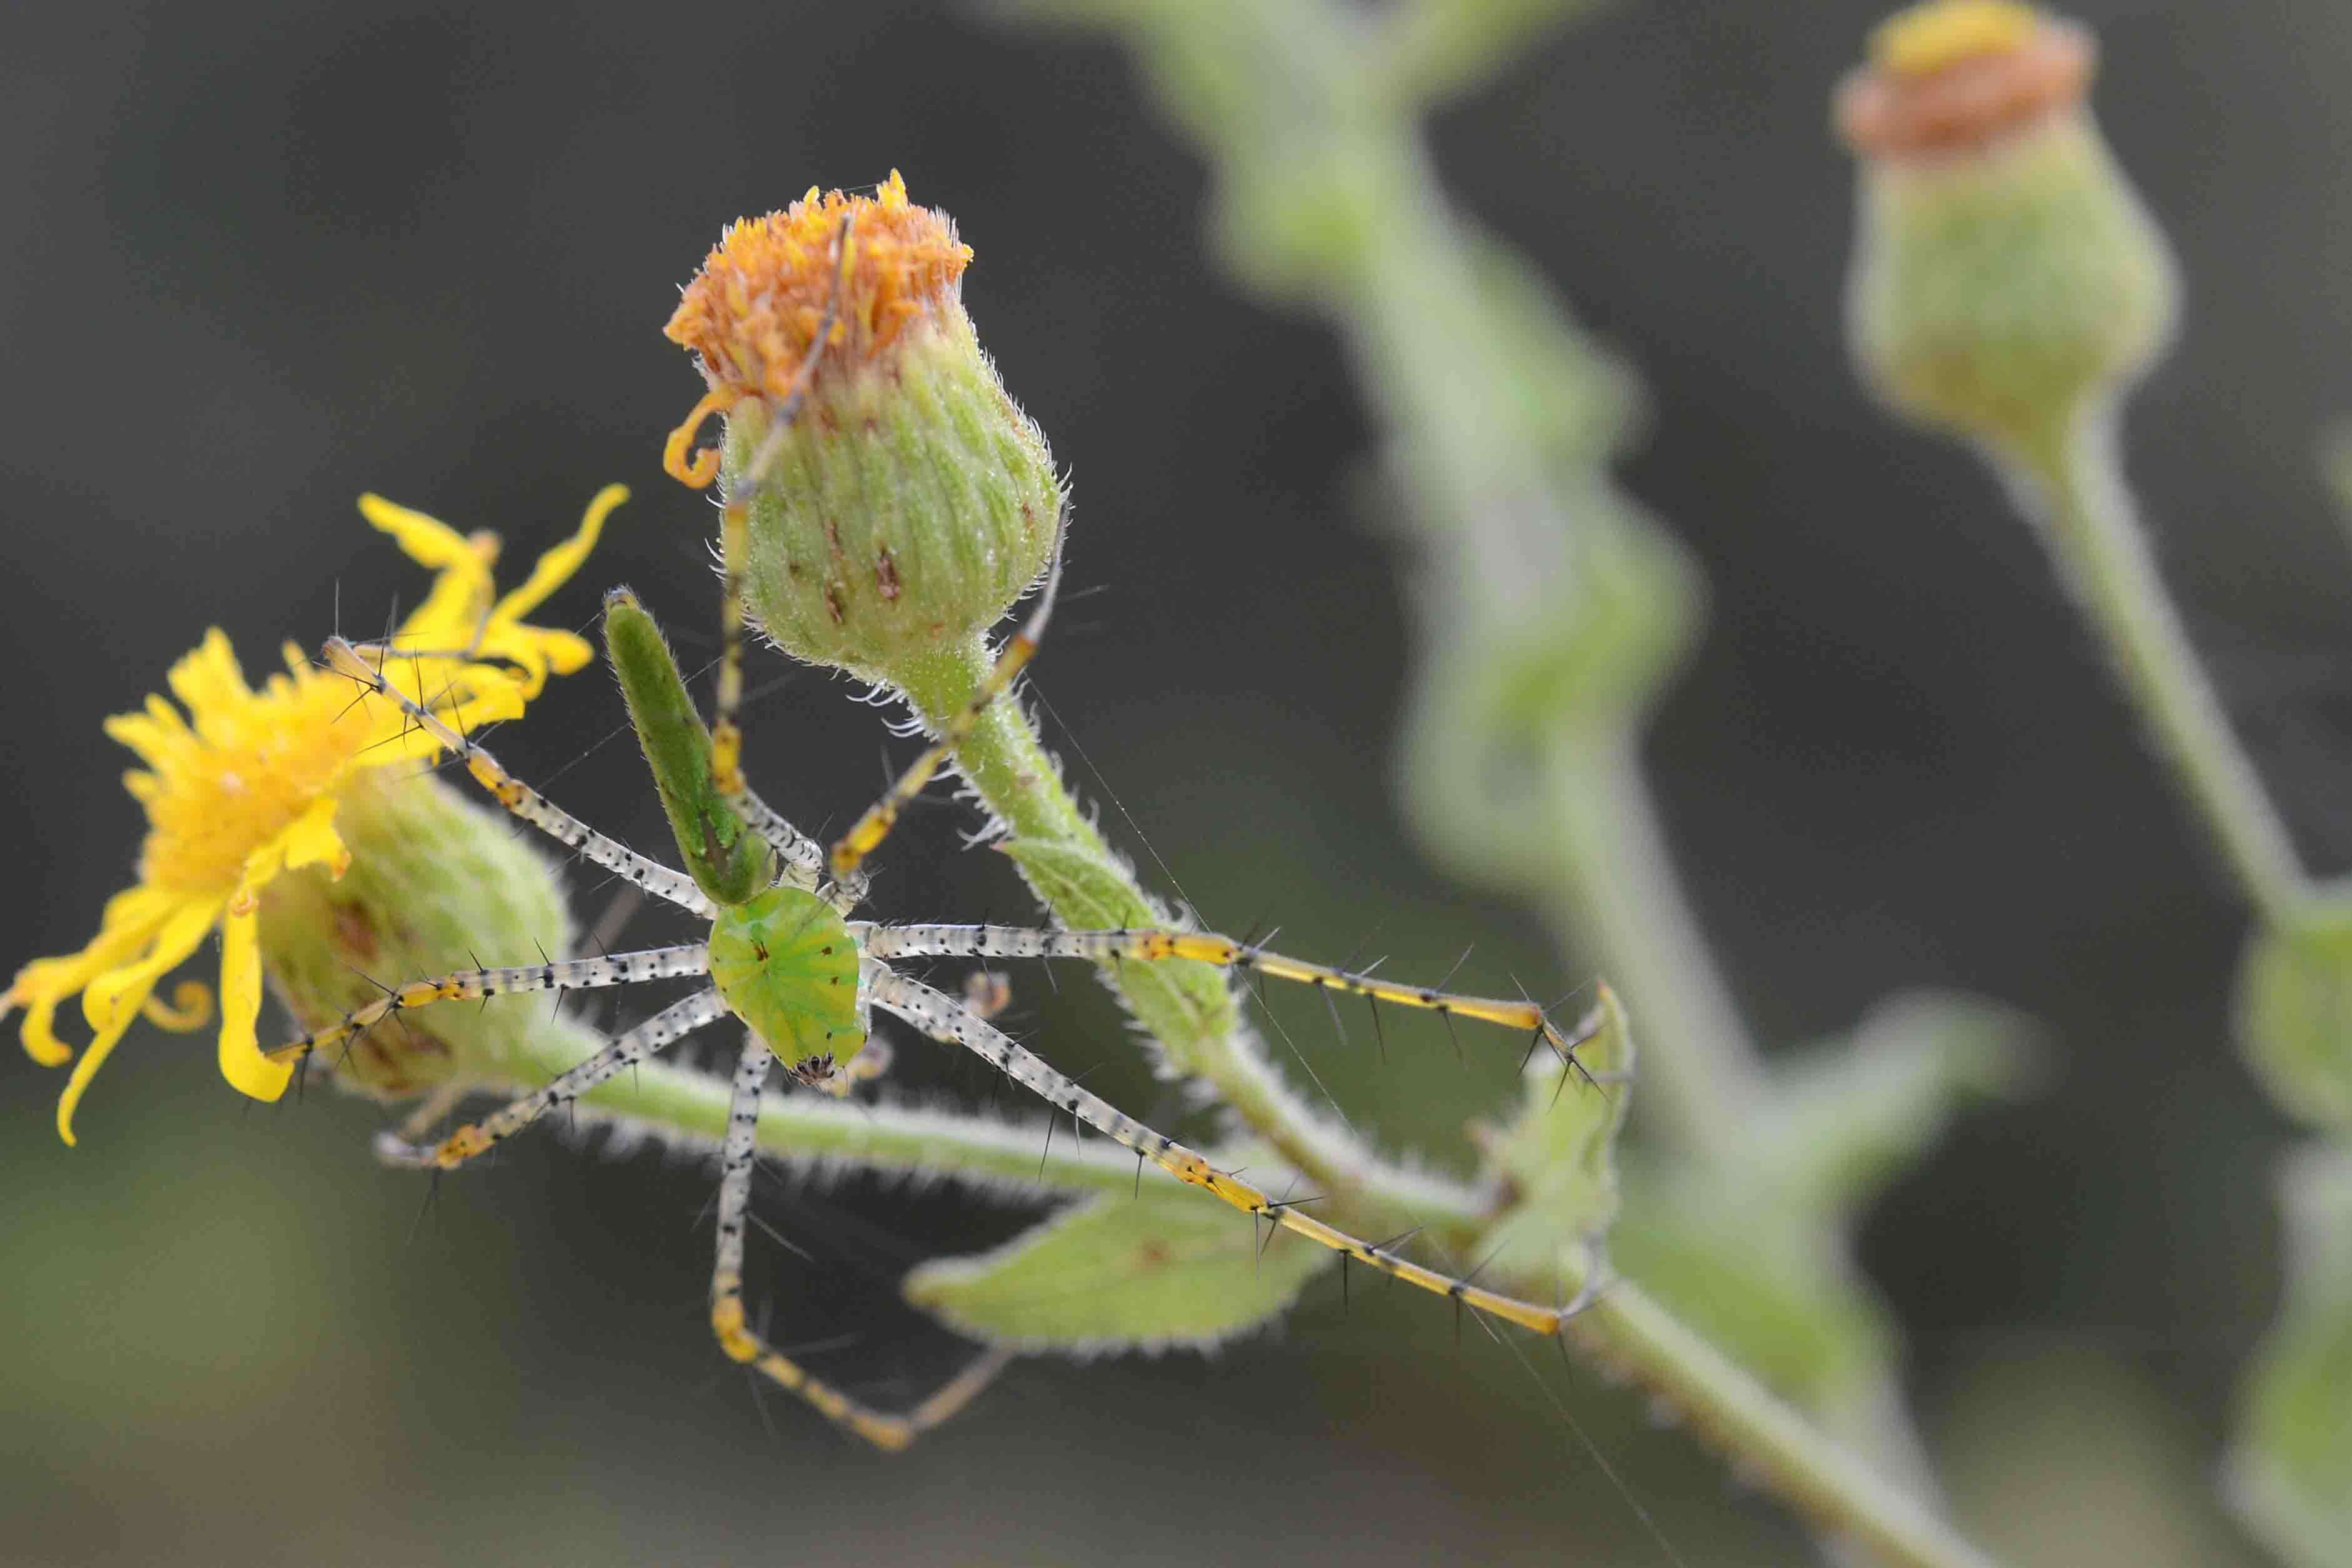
[245, 786]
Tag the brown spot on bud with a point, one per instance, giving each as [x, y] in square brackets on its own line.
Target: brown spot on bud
[885, 577]
[355, 933]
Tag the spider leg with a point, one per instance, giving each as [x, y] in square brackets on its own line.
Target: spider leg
[738, 1161]
[800, 853]
[662, 1029]
[852, 848]
[427, 1112]
[520, 798]
[801, 857]
[1207, 947]
[572, 975]
[947, 1020]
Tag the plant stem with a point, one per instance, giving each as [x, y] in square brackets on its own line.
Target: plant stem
[1188, 1007]
[1839, 1495]
[2072, 484]
[1616, 892]
[688, 1109]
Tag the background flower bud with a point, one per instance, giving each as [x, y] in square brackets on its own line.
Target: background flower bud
[2005, 274]
[436, 884]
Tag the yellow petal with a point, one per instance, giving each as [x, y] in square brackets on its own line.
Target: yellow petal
[428, 540]
[190, 1008]
[130, 920]
[241, 1061]
[447, 618]
[141, 734]
[114, 998]
[262, 868]
[536, 651]
[556, 567]
[208, 679]
[311, 839]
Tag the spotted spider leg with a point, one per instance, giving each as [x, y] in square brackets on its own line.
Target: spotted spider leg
[520, 798]
[738, 1162]
[570, 974]
[1151, 946]
[664, 1029]
[738, 1155]
[952, 1023]
[850, 850]
[734, 524]
[800, 853]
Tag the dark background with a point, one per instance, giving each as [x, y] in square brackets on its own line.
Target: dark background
[258, 259]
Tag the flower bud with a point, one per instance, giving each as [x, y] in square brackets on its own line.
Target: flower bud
[436, 884]
[2006, 277]
[905, 503]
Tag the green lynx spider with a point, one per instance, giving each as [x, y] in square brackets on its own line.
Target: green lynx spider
[784, 958]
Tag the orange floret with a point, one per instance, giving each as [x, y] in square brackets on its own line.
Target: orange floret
[753, 312]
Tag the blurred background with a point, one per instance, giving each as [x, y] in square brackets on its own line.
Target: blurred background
[260, 258]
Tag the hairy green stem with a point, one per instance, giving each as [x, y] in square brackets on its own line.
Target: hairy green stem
[1188, 1007]
[1837, 1492]
[686, 1108]
[1617, 895]
[2072, 484]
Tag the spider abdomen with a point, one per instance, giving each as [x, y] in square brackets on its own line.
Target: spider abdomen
[787, 965]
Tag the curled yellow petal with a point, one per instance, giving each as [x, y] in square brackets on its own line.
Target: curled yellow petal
[131, 920]
[190, 1008]
[428, 540]
[114, 998]
[557, 565]
[704, 467]
[451, 612]
[241, 1061]
[537, 652]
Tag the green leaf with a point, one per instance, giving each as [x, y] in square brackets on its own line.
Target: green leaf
[1557, 1163]
[1849, 1116]
[2291, 1473]
[1170, 1267]
[1744, 1245]
[2294, 1011]
[1758, 1274]
[1428, 50]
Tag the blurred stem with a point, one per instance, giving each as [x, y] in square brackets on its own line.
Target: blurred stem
[1617, 893]
[2073, 483]
[1837, 1492]
[686, 1108]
